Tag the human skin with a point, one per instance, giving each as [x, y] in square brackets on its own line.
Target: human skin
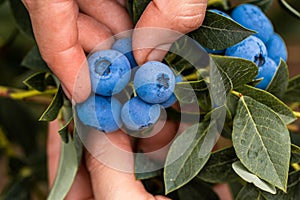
[67, 29]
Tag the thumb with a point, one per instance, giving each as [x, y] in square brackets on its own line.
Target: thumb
[170, 19]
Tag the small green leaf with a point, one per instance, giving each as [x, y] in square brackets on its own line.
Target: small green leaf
[218, 168]
[262, 142]
[249, 192]
[197, 189]
[145, 168]
[292, 93]
[269, 100]
[67, 170]
[64, 131]
[184, 160]
[279, 82]
[21, 16]
[219, 32]
[242, 171]
[53, 109]
[37, 81]
[33, 60]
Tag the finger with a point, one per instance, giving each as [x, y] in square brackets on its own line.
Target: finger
[157, 146]
[92, 34]
[223, 191]
[111, 13]
[113, 184]
[81, 188]
[180, 16]
[55, 28]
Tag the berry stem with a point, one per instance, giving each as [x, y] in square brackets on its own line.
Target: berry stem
[239, 95]
[30, 95]
[297, 114]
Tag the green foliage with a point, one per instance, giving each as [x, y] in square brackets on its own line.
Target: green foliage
[261, 158]
[219, 32]
[279, 82]
[67, 169]
[33, 60]
[218, 168]
[263, 149]
[53, 109]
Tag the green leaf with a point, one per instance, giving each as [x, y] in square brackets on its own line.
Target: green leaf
[186, 92]
[218, 168]
[242, 171]
[53, 109]
[219, 32]
[196, 189]
[145, 168]
[292, 191]
[292, 93]
[261, 141]
[249, 192]
[184, 160]
[279, 82]
[64, 130]
[22, 17]
[238, 70]
[187, 53]
[33, 60]
[67, 170]
[269, 100]
[37, 81]
[228, 73]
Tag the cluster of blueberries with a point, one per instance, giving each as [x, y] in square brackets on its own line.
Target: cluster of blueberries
[111, 71]
[265, 48]
[153, 83]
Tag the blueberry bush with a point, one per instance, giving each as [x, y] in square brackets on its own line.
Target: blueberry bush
[240, 82]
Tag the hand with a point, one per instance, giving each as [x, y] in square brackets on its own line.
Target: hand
[63, 34]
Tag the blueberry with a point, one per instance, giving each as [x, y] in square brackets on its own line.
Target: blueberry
[172, 99]
[137, 115]
[251, 48]
[102, 113]
[276, 48]
[266, 71]
[110, 72]
[124, 46]
[154, 82]
[252, 17]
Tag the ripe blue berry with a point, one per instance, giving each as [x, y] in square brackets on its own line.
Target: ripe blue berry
[110, 72]
[252, 17]
[266, 71]
[124, 46]
[251, 48]
[138, 115]
[172, 99]
[102, 113]
[154, 82]
[276, 48]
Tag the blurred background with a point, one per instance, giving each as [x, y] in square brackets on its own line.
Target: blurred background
[23, 137]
